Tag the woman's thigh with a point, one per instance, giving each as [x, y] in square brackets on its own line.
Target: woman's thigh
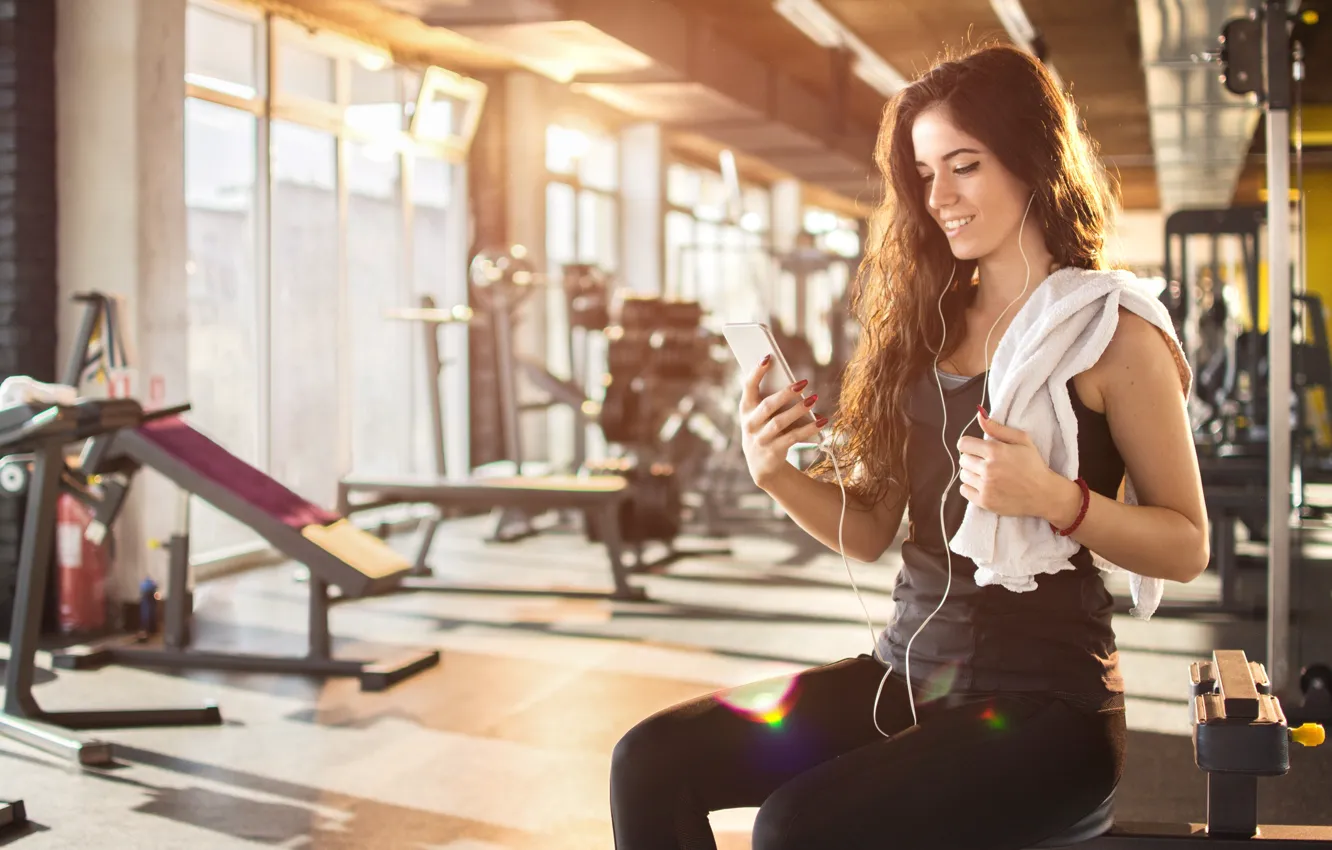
[734, 747]
[1001, 774]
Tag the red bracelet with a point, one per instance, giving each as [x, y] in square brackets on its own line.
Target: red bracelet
[1086, 502]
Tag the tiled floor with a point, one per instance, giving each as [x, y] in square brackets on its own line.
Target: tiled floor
[506, 744]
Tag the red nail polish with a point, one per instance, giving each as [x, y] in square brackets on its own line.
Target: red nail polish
[799, 385]
[983, 414]
[767, 358]
[809, 402]
[821, 421]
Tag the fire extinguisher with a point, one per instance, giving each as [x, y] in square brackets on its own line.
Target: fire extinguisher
[82, 569]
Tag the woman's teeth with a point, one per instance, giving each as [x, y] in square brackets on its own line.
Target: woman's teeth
[953, 226]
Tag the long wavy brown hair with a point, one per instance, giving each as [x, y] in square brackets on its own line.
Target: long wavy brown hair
[1008, 101]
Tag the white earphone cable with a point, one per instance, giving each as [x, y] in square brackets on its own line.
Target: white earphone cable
[943, 500]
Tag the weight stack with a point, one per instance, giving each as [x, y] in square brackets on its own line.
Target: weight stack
[654, 509]
[28, 296]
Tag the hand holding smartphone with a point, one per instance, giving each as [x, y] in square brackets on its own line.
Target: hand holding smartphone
[771, 428]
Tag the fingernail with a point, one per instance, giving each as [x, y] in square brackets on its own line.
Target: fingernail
[809, 402]
[981, 410]
[767, 358]
[799, 385]
[821, 421]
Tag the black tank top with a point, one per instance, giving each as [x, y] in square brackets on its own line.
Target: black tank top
[1056, 638]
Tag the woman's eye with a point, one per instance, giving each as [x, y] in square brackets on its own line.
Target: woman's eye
[925, 178]
[967, 169]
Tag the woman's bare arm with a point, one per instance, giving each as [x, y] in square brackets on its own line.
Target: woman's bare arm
[1165, 535]
[816, 506]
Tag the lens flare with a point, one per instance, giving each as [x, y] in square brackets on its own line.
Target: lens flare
[994, 719]
[939, 684]
[762, 702]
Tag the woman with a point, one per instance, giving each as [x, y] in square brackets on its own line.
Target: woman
[1013, 728]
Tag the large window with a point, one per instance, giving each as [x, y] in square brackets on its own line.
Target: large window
[838, 238]
[305, 232]
[716, 245]
[304, 367]
[376, 284]
[221, 195]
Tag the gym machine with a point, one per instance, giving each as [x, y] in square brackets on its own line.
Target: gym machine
[1240, 734]
[501, 284]
[37, 435]
[661, 377]
[339, 556]
[1230, 387]
[499, 281]
[1201, 314]
[1260, 58]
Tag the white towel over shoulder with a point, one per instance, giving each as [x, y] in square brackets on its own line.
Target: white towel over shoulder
[1061, 331]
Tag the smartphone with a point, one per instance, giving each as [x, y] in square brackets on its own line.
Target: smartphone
[751, 342]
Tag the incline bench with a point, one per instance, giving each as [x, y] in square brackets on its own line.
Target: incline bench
[337, 554]
[599, 497]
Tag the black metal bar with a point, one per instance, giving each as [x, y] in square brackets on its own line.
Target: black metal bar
[609, 530]
[179, 600]
[135, 718]
[1223, 550]
[428, 527]
[504, 355]
[373, 675]
[1185, 291]
[1279, 71]
[1232, 805]
[23, 719]
[320, 640]
[34, 572]
[78, 355]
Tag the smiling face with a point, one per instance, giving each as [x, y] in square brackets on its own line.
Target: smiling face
[977, 202]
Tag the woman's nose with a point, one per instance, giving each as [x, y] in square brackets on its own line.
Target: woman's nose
[942, 192]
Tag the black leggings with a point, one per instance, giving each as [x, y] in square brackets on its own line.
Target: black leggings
[997, 772]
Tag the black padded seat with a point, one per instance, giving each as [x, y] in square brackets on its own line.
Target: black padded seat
[1093, 825]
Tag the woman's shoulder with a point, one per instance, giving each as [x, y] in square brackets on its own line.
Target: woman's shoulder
[1139, 352]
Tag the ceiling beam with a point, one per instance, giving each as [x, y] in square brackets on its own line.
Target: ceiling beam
[492, 13]
[687, 48]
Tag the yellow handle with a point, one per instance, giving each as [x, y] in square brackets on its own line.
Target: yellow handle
[1308, 734]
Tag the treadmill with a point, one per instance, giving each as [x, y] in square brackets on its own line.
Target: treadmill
[34, 437]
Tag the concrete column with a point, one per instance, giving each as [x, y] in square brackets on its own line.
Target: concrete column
[120, 68]
[527, 114]
[788, 217]
[788, 222]
[643, 208]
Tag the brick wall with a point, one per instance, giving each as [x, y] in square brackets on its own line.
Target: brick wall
[27, 220]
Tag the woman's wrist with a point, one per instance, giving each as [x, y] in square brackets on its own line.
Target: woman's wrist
[778, 479]
[1065, 504]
